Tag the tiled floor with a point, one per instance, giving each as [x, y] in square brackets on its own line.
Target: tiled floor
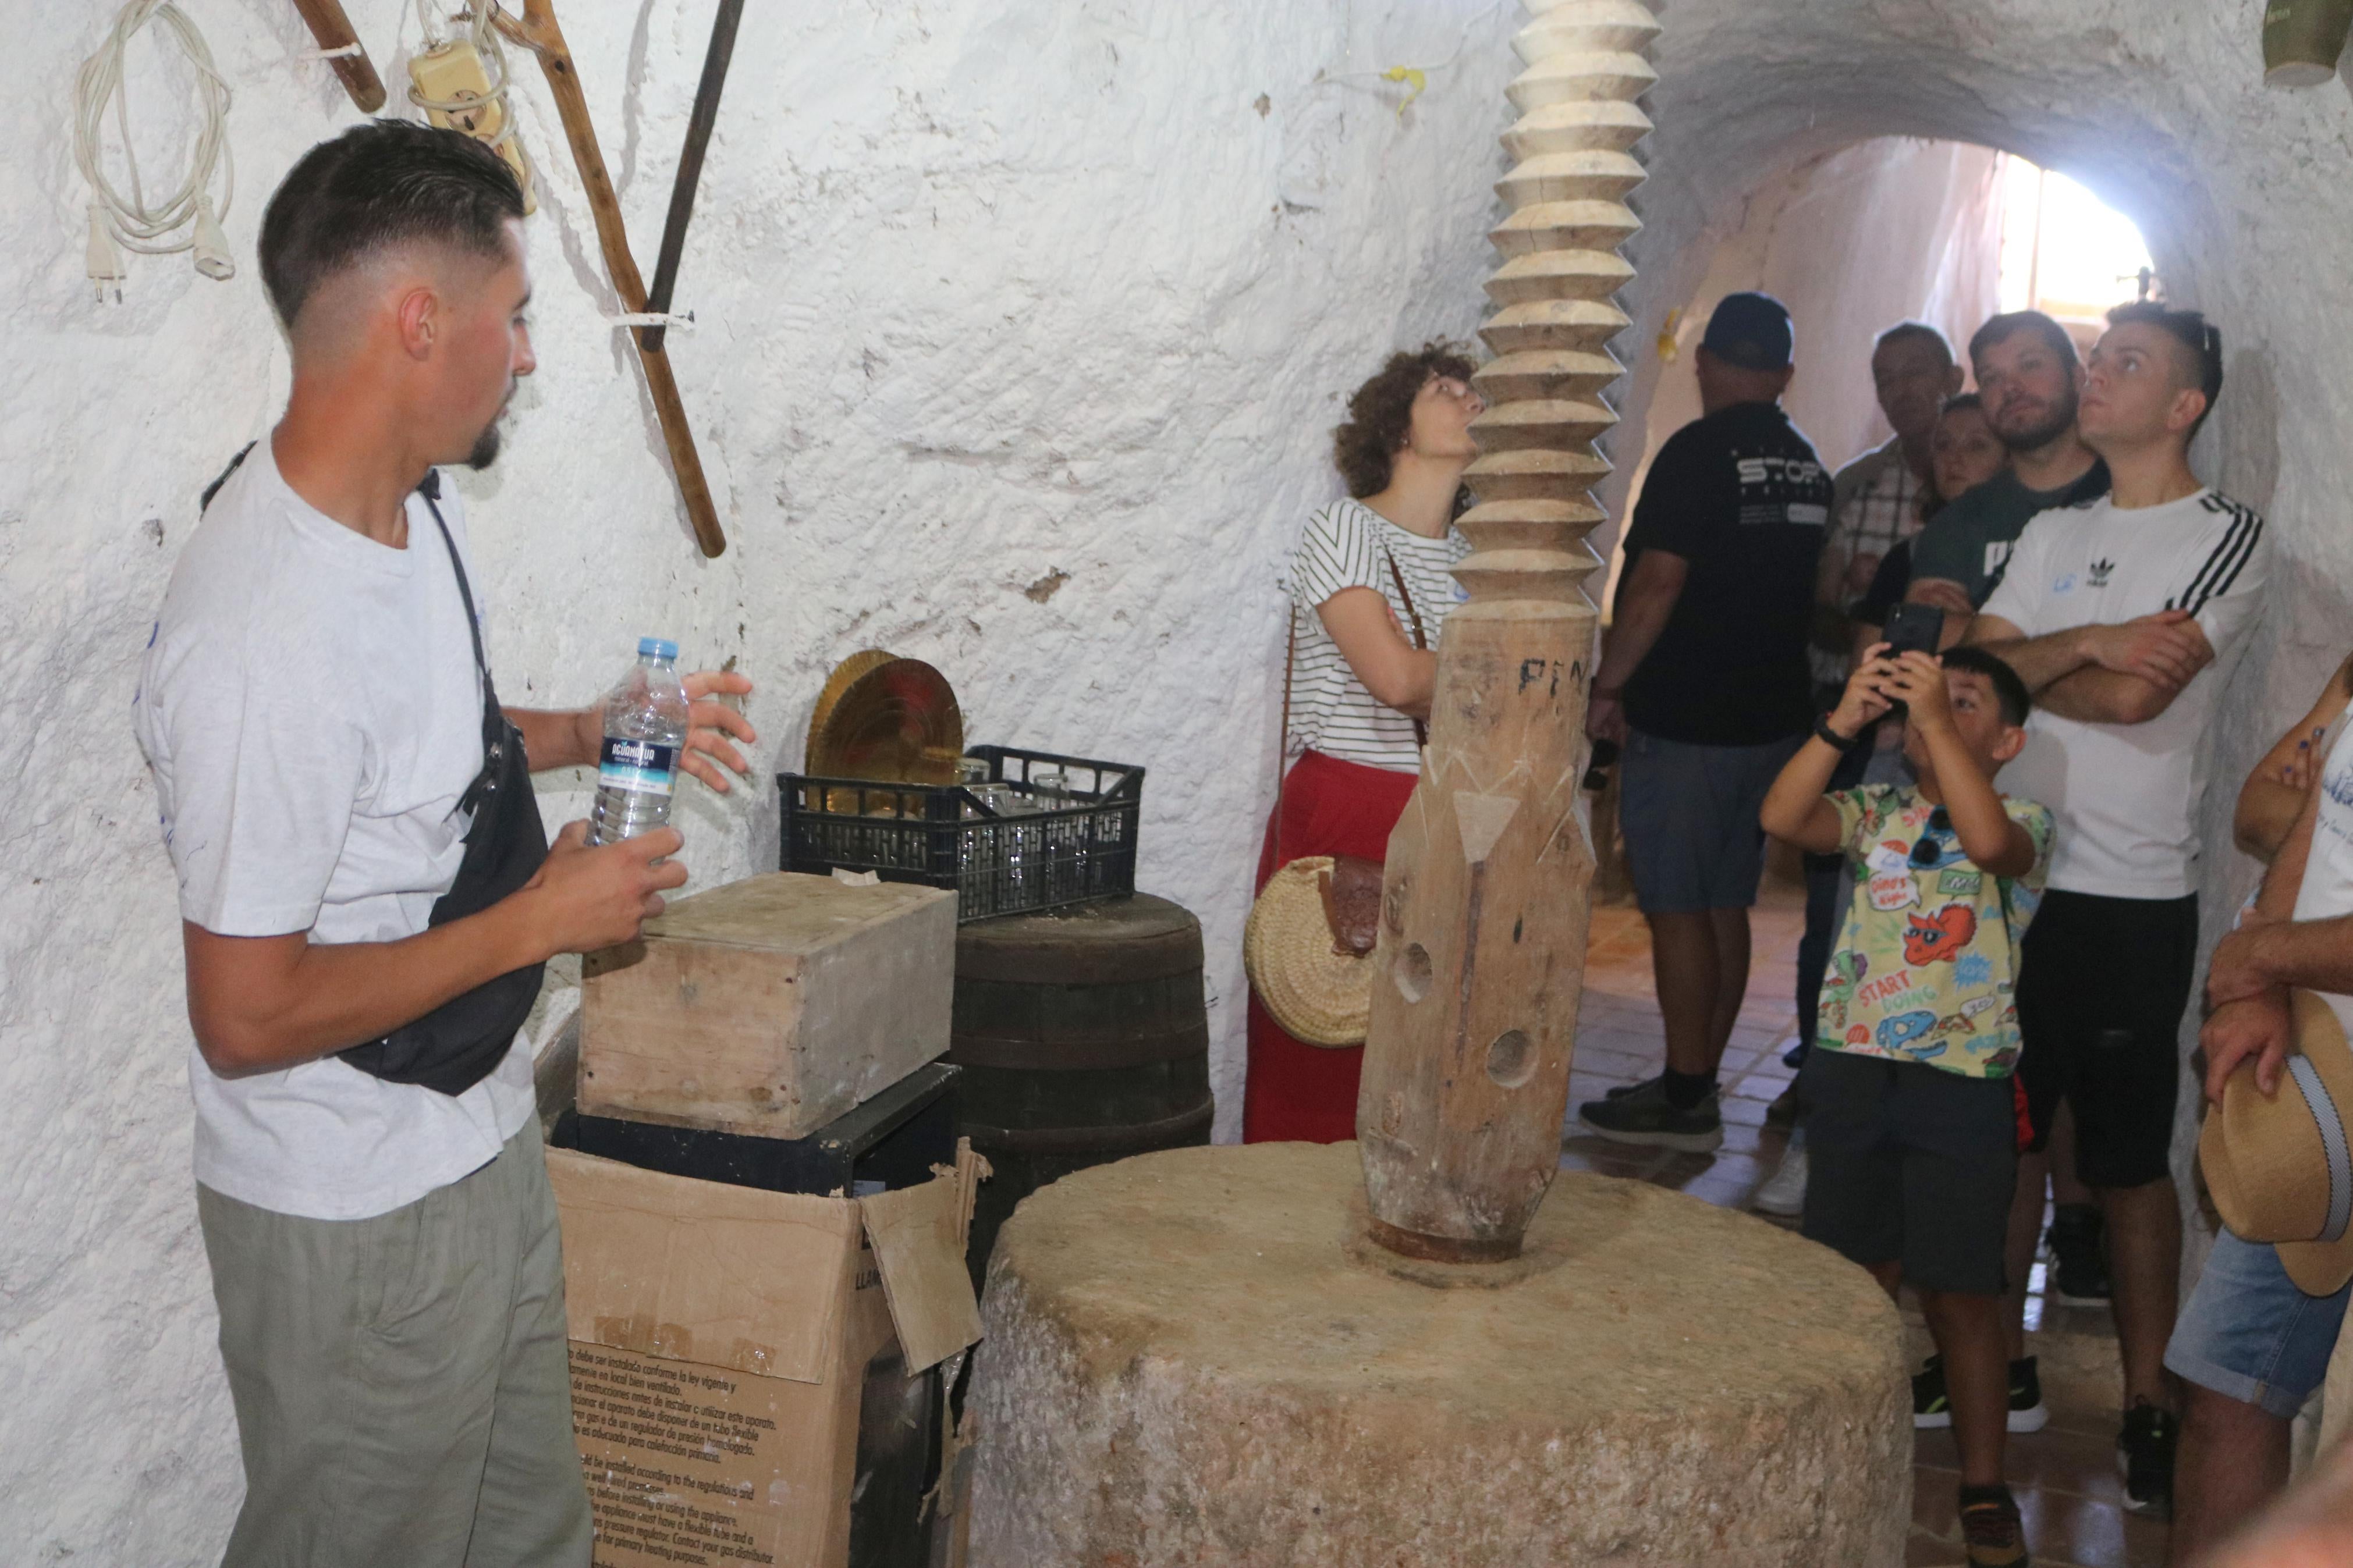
[2064, 1475]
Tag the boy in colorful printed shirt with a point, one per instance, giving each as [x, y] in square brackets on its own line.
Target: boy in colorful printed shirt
[1908, 1103]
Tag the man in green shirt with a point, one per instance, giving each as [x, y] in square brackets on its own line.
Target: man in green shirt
[2029, 377]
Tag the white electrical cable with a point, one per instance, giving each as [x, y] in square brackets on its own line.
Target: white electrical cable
[132, 222]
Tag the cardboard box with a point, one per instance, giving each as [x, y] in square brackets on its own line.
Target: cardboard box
[770, 1005]
[721, 1338]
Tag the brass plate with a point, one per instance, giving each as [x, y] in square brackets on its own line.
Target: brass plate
[847, 671]
[898, 723]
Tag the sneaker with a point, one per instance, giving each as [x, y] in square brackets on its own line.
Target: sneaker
[1794, 1057]
[2027, 1411]
[1785, 1193]
[1932, 1408]
[2076, 1238]
[1783, 1112]
[2144, 1455]
[1643, 1116]
[1657, 1081]
[1992, 1535]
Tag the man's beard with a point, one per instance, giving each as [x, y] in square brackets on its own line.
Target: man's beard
[486, 448]
[2060, 419]
[486, 445]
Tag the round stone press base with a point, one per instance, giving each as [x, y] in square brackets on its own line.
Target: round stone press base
[1193, 1358]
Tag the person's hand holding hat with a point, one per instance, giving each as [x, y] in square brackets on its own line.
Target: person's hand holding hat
[2278, 1156]
[2257, 1027]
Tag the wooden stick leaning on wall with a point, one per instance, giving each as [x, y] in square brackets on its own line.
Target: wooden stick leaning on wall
[537, 31]
[334, 30]
[689, 161]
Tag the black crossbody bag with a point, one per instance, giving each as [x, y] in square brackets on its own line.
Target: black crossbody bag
[462, 1041]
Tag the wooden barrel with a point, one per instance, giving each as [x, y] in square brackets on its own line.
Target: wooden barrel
[1083, 1038]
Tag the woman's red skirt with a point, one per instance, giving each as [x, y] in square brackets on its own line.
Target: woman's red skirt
[1296, 1092]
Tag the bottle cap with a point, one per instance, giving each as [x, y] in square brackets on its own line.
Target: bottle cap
[657, 648]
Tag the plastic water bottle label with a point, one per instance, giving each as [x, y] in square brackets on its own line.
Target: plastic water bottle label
[645, 768]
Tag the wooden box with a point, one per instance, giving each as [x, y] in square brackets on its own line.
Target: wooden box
[770, 1005]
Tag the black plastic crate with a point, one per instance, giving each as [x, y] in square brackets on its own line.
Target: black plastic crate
[891, 1141]
[1080, 844]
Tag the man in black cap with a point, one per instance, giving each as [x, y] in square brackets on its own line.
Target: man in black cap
[1703, 681]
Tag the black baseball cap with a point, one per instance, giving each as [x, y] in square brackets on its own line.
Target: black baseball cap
[1751, 330]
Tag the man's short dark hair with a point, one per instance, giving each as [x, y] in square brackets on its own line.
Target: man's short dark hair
[384, 183]
[2201, 340]
[1380, 413]
[1916, 333]
[2010, 323]
[2009, 691]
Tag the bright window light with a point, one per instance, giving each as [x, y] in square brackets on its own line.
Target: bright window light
[2063, 250]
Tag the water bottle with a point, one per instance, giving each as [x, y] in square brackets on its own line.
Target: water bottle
[645, 734]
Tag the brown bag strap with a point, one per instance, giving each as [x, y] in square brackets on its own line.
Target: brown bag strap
[1420, 638]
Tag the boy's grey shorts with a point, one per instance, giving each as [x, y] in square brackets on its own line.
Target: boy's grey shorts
[1689, 813]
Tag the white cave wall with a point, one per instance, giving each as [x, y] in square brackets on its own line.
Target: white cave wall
[990, 290]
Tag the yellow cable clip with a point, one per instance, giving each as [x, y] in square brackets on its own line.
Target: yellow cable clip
[1414, 77]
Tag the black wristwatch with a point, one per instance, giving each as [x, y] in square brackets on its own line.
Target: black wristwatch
[1831, 738]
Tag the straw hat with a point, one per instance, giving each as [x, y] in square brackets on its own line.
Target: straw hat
[1317, 996]
[2281, 1166]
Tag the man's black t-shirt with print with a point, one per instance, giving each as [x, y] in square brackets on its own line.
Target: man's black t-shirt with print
[1739, 495]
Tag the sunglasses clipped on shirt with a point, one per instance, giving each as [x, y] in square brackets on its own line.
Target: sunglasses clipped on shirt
[1928, 848]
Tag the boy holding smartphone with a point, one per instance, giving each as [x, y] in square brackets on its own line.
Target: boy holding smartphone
[1910, 1110]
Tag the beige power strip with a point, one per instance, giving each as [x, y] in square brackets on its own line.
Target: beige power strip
[453, 88]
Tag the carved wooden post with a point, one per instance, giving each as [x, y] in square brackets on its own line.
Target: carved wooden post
[1481, 954]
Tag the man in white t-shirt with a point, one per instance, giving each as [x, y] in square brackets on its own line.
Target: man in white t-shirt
[2126, 615]
[319, 719]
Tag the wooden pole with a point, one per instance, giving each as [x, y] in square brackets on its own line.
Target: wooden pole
[1480, 963]
[699, 126]
[537, 31]
[334, 31]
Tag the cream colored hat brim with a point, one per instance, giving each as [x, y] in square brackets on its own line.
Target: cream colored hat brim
[1316, 995]
[2265, 1158]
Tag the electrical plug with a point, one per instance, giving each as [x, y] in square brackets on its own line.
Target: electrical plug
[213, 258]
[103, 259]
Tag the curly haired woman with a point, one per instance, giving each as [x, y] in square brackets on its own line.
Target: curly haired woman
[1369, 587]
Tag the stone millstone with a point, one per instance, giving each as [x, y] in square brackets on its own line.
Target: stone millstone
[1193, 1358]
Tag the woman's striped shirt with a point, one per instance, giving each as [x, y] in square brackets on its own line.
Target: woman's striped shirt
[1349, 545]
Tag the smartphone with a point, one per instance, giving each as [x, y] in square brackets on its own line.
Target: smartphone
[1911, 629]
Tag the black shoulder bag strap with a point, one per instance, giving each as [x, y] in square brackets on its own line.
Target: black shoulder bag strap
[461, 1042]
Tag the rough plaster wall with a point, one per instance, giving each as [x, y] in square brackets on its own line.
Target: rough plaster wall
[1887, 231]
[989, 290]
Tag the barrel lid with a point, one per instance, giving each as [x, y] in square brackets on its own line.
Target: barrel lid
[1139, 937]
